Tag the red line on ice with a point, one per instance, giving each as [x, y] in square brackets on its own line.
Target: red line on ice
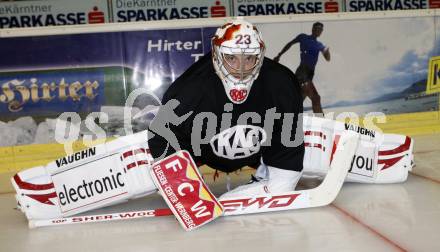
[374, 231]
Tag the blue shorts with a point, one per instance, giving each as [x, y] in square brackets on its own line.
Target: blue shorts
[304, 73]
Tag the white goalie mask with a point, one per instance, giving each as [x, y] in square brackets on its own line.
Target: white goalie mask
[237, 54]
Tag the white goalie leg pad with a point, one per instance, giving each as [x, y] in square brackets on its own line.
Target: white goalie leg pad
[103, 175]
[282, 180]
[275, 181]
[320, 142]
[394, 158]
[379, 158]
[36, 196]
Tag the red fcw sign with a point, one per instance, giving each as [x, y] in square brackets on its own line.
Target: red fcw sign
[182, 187]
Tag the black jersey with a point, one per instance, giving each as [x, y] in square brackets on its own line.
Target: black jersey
[232, 133]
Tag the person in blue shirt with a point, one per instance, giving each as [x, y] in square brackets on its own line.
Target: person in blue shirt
[310, 48]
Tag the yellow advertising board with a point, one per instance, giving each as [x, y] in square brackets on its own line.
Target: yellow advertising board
[433, 85]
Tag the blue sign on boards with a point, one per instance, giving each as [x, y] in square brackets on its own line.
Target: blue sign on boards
[170, 51]
[36, 93]
[144, 10]
[127, 60]
[384, 5]
[19, 14]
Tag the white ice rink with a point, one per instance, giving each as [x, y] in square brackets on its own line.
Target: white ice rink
[397, 217]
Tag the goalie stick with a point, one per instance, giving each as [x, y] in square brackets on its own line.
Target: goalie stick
[101, 217]
[322, 195]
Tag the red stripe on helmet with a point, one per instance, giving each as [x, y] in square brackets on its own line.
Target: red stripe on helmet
[227, 36]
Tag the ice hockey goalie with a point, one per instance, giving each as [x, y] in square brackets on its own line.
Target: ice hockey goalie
[117, 171]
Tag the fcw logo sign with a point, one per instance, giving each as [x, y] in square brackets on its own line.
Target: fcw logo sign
[240, 141]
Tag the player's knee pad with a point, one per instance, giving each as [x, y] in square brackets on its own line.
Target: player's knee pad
[103, 175]
[379, 158]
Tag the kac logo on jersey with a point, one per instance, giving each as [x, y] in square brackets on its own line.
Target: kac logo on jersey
[240, 141]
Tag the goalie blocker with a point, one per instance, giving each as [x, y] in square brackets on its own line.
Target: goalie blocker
[114, 172]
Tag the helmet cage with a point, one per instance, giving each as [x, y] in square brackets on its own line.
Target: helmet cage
[247, 77]
[246, 73]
